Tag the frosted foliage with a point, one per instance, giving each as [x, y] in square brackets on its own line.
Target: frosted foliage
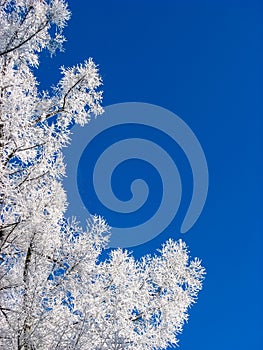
[55, 290]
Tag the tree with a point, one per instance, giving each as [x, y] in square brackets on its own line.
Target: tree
[55, 292]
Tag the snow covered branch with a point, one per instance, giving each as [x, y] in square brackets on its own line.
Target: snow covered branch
[55, 292]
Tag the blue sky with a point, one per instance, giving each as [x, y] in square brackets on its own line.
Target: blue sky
[203, 61]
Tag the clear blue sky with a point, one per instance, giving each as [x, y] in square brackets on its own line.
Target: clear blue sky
[203, 60]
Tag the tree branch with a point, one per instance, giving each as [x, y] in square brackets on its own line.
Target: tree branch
[25, 41]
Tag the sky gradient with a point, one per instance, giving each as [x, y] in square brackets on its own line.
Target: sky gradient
[203, 61]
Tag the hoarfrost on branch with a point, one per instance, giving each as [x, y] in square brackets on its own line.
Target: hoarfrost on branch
[55, 292]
